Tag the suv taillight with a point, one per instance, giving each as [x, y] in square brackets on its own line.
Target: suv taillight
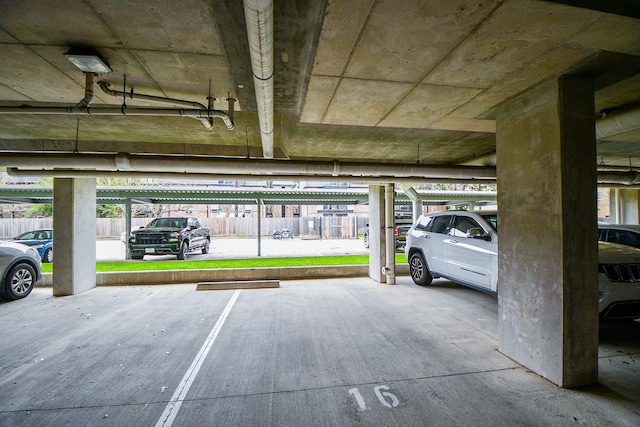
[397, 231]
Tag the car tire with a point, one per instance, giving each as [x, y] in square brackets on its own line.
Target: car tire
[205, 249]
[48, 255]
[182, 253]
[419, 271]
[137, 256]
[19, 282]
[366, 240]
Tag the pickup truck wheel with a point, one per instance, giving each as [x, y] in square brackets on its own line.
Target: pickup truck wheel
[182, 254]
[419, 271]
[205, 249]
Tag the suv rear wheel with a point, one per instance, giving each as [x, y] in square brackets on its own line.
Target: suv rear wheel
[19, 282]
[419, 271]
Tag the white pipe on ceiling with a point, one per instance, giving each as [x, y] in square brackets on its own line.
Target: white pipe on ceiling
[617, 122]
[227, 118]
[258, 167]
[258, 15]
[84, 173]
[199, 111]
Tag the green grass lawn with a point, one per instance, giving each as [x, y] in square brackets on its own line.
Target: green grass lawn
[231, 263]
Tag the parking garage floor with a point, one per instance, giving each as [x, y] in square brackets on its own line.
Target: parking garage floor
[348, 352]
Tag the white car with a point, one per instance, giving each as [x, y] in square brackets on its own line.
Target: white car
[20, 269]
[462, 246]
[625, 234]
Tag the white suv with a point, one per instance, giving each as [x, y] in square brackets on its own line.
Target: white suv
[462, 246]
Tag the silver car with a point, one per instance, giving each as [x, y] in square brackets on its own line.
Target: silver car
[20, 269]
[462, 246]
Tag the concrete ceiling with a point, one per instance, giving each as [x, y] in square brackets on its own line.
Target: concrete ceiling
[393, 81]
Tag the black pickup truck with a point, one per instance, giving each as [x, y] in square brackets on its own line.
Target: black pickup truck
[170, 236]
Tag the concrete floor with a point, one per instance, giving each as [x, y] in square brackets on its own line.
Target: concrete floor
[349, 352]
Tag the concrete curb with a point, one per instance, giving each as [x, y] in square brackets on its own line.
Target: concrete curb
[228, 274]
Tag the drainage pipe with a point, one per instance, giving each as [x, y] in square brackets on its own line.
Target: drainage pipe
[416, 200]
[258, 15]
[240, 176]
[617, 122]
[110, 111]
[289, 169]
[88, 93]
[613, 123]
[195, 164]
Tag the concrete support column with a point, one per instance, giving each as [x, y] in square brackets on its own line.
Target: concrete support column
[127, 227]
[377, 251]
[548, 259]
[626, 204]
[390, 246]
[74, 228]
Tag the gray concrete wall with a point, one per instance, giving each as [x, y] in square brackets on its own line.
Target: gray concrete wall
[228, 274]
[74, 228]
[548, 286]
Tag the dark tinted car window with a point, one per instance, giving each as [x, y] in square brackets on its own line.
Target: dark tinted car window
[624, 237]
[441, 224]
[462, 224]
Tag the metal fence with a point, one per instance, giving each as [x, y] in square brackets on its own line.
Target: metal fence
[304, 227]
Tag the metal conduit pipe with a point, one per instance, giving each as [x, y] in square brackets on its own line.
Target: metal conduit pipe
[258, 15]
[227, 118]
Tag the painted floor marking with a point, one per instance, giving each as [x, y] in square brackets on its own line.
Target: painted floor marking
[171, 411]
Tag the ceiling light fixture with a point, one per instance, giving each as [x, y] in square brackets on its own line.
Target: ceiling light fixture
[88, 61]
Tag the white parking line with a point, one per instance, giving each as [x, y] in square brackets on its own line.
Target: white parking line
[171, 411]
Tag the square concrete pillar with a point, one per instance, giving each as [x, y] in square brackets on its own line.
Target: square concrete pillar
[74, 230]
[626, 206]
[548, 259]
[377, 251]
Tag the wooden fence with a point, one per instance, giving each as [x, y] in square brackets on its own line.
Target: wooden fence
[305, 227]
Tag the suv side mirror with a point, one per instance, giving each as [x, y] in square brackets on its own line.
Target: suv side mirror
[477, 233]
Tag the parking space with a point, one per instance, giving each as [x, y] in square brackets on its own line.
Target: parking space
[234, 248]
[327, 352]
